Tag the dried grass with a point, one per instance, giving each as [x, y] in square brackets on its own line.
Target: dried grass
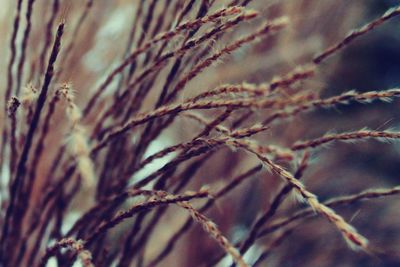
[80, 179]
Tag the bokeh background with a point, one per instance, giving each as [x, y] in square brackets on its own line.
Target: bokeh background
[370, 63]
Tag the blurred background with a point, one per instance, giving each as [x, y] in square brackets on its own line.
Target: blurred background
[370, 63]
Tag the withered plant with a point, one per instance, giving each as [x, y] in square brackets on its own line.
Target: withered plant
[194, 133]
